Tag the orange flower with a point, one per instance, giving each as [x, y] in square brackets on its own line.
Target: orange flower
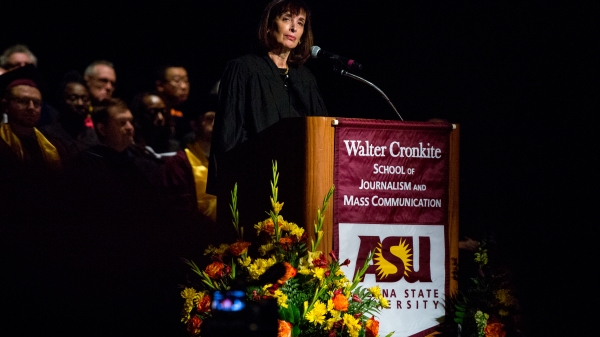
[289, 273]
[286, 242]
[285, 329]
[215, 270]
[372, 327]
[269, 227]
[204, 304]
[193, 325]
[494, 330]
[340, 302]
[238, 248]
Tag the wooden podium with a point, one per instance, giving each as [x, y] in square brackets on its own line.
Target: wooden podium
[304, 150]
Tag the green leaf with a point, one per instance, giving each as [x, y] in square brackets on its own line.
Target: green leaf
[295, 331]
[295, 313]
[458, 320]
[286, 314]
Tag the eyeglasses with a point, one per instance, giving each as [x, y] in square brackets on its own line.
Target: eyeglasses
[105, 81]
[23, 102]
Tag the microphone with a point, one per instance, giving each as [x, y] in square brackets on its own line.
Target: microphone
[318, 53]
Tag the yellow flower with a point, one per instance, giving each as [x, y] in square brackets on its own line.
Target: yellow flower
[317, 314]
[189, 293]
[297, 231]
[220, 251]
[352, 324]
[259, 266]
[264, 249]
[319, 273]
[276, 206]
[376, 291]
[384, 302]
[504, 296]
[245, 262]
[304, 271]
[503, 313]
[335, 316]
[191, 296]
[281, 298]
[330, 306]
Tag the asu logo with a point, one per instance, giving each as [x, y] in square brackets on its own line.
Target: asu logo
[393, 258]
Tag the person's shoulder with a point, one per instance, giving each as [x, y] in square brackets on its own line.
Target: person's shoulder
[248, 58]
[247, 62]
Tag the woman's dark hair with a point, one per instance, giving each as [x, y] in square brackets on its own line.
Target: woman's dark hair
[275, 8]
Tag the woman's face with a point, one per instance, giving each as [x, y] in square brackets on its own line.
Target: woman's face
[289, 29]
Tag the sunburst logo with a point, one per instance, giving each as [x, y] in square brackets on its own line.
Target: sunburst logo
[386, 268]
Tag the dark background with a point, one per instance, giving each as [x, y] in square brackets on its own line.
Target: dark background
[520, 78]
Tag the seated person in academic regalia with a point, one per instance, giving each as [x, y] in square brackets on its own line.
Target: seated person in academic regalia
[186, 172]
[174, 87]
[117, 159]
[19, 56]
[29, 171]
[127, 229]
[70, 134]
[151, 129]
[21, 144]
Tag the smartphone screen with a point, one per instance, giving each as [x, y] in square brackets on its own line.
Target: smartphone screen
[230, 300]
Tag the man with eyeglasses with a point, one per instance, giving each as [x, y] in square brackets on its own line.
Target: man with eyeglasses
[173, 84]
[101, 80]
[20, 142]
[70, 134]
[18, 56]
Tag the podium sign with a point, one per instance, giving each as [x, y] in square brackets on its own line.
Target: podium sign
[392, 197]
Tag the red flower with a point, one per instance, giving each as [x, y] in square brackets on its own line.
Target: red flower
[238, 248]
[255, 296]
[355, 298]
[494, 330]
[333, 257]
[193, 326]
[345, 263]
[320, 262]
[286, 243]
[372, 327]
[204, 304]
[215, 270]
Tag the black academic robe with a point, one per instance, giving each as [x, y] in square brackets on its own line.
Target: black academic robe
[253, 96]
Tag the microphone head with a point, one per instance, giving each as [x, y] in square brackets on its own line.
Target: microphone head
[314, 51]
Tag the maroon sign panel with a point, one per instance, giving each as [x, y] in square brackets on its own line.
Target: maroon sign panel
[391, 172]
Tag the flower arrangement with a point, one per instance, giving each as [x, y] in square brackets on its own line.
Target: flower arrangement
[314, 297]
[489, 307]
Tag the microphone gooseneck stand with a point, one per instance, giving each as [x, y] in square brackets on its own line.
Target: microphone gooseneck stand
[343, 72]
